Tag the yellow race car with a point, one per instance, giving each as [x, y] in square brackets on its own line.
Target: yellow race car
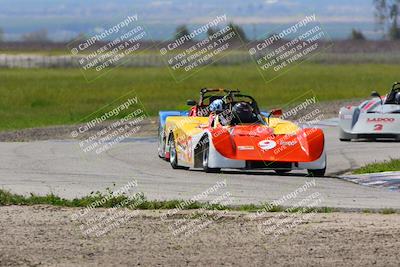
[226, 129]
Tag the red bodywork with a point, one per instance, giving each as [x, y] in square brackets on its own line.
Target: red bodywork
[236, 142]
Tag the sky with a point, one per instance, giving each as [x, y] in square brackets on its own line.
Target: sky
[64, 19]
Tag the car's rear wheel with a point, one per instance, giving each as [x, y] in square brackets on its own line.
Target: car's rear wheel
[344, 139]
[282, 172]
[161, 142]
[206, 157]
[317, 172]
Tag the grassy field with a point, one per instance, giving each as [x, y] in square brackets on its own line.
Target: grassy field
[388, 165]
[43, 97]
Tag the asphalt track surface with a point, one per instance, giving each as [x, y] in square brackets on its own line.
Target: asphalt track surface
[61, 167]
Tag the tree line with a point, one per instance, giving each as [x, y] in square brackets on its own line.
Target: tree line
[183, 30]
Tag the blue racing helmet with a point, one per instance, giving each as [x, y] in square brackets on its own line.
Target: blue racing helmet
[217, 105]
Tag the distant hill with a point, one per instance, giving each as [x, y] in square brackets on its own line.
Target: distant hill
[65, 19]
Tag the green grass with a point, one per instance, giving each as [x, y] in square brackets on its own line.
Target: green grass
[8, 198]
[387, 165]
[388, 211]
[43, 97]
[60, 52]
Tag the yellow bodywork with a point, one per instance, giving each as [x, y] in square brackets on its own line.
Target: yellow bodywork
[282, 126]
[183, 128]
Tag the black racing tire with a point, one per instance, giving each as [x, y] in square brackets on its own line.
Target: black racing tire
[205, 157]
[282, 172]
[317, 172]
[161, 142]
[173, 157]
[346, 137]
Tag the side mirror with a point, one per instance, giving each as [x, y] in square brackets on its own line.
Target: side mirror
[191, 103]
[375, 94]
[277, 112]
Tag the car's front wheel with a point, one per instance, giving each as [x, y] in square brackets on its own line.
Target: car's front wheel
[206, 157]
[173, 157]
[344, 136]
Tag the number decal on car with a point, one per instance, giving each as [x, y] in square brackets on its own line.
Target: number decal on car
[378, 127]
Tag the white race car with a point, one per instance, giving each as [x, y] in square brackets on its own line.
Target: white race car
[372, 119]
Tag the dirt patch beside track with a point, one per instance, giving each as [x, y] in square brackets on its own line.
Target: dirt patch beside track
[148, 127]
[45, 235]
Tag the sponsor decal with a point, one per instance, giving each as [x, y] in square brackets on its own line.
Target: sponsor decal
[189, 149]
[288, 143]
[267, 144]
[380, 120]
[245, 147]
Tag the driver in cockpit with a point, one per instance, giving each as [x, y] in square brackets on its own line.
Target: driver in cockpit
[222, 111]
